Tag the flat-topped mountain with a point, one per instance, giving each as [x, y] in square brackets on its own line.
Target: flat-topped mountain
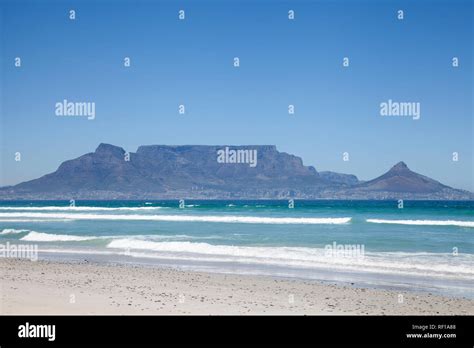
[216, 172]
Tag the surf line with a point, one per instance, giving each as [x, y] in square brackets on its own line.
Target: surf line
[188, 218]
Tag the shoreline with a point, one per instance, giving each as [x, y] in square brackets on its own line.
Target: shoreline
[51, 287]
[341, 277]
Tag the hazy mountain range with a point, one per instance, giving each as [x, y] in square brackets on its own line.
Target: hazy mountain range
[193, 172]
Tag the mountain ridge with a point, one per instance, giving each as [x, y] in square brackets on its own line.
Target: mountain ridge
[197, 172]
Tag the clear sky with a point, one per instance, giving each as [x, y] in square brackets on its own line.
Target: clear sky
[282, 62]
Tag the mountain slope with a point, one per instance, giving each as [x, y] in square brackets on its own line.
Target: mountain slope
[159, 171]
[346, 179]
[401, 179]
[195, 171]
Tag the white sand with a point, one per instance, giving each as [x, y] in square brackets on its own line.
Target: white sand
[45, 287]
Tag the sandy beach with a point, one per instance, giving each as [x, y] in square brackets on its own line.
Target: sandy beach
[46, 287]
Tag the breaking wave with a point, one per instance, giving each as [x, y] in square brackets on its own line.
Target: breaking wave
[47, 237]
[12, 231]
[386, 262]
[186, 218]
[424, 222]
[60, 208]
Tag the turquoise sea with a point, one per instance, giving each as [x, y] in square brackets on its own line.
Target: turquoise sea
[426, 246]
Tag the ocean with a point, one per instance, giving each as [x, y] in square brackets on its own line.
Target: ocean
[426, 246]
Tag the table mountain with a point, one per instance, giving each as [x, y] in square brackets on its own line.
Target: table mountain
[197, 172]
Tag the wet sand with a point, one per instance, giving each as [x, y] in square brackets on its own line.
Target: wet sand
[46, 287]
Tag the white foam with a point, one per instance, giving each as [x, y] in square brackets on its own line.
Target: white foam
[173, 236]
[46, 237]
[186, 218]
[85, 208]
[424, 222]
[49, 237]
[385, 262]
[12, 231]
[35, 220]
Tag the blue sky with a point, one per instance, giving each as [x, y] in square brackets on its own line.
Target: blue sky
[283, 62]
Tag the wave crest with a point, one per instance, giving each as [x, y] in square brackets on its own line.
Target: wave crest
[424, 222]
[12, 231]
[185, 218]
[85, 208]
[47, 237]
[386, 262]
